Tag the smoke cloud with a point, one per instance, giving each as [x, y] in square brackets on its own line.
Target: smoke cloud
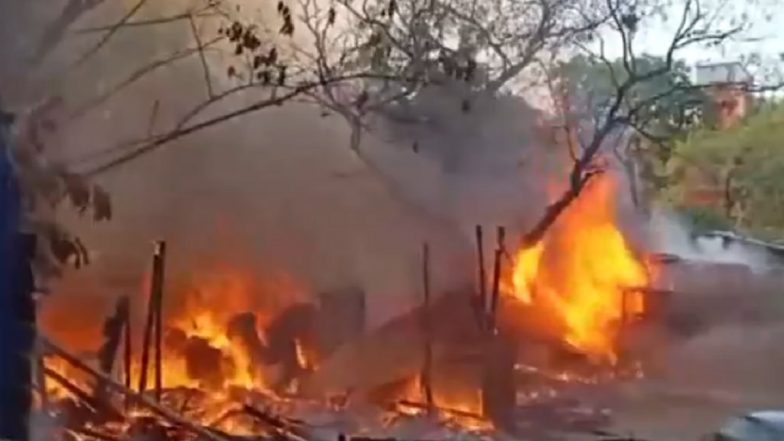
[277, 191]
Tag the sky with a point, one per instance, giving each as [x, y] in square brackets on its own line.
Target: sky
[766, 34]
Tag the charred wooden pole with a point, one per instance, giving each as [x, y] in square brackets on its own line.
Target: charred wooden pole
[500, 252]
[498, 383]
[496, 287]
[159, 260]
[427, 368]
[145, 360]
[17, 308]
[501, 239]
[127, 354]
[154, 323]
[480, 253]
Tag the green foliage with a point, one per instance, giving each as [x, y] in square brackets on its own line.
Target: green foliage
[704, 218]
[746, 165]
[664, 106]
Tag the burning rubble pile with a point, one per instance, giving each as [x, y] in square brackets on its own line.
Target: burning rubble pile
[213, 361]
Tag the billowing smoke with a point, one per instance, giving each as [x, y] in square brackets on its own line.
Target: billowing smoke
[714, 354]
[277, 191]
[669, 234]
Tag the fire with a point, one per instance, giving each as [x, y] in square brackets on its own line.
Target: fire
[582, 274]
[462, 410]
[201, 352]
[204, 323]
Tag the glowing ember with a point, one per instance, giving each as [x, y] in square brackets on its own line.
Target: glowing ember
[581, 273]
[463, 411]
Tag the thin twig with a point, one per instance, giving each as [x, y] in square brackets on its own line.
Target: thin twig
[205, 68]
[136, 76]
[110, 33]
[179, 132]
[150, 22]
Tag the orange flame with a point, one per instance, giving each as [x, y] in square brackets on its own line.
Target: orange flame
[581, 273]
[459, 409]
[200, 352]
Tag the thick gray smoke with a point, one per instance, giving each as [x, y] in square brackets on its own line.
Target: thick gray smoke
[276, 191]
[668, 234]
[718, 354]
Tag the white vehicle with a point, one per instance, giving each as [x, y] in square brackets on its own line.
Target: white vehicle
[767, 425]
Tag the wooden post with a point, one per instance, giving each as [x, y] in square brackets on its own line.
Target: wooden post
[159, 260]
[480, 252]
[154, 322]
[496, 283]
[427, 368]
[127, 355]
[145, 360]
[501, 239]
[500, 252]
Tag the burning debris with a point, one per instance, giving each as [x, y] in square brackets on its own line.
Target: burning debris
[228, 364]
[583, 274]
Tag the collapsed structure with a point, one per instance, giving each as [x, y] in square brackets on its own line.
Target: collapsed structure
[545, 323]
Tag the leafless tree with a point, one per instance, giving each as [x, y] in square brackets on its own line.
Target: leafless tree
[627, 109]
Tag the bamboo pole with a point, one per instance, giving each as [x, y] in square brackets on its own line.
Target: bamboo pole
[135, 396]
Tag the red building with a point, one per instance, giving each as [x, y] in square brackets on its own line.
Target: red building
[728, 86]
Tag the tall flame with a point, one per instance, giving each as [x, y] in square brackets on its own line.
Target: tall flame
[582, 272]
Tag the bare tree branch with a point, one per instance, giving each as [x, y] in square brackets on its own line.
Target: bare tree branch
[203, 13]
[137, 75]
[110, 33]
[53, 34]
[200, 47]
[184, 130]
